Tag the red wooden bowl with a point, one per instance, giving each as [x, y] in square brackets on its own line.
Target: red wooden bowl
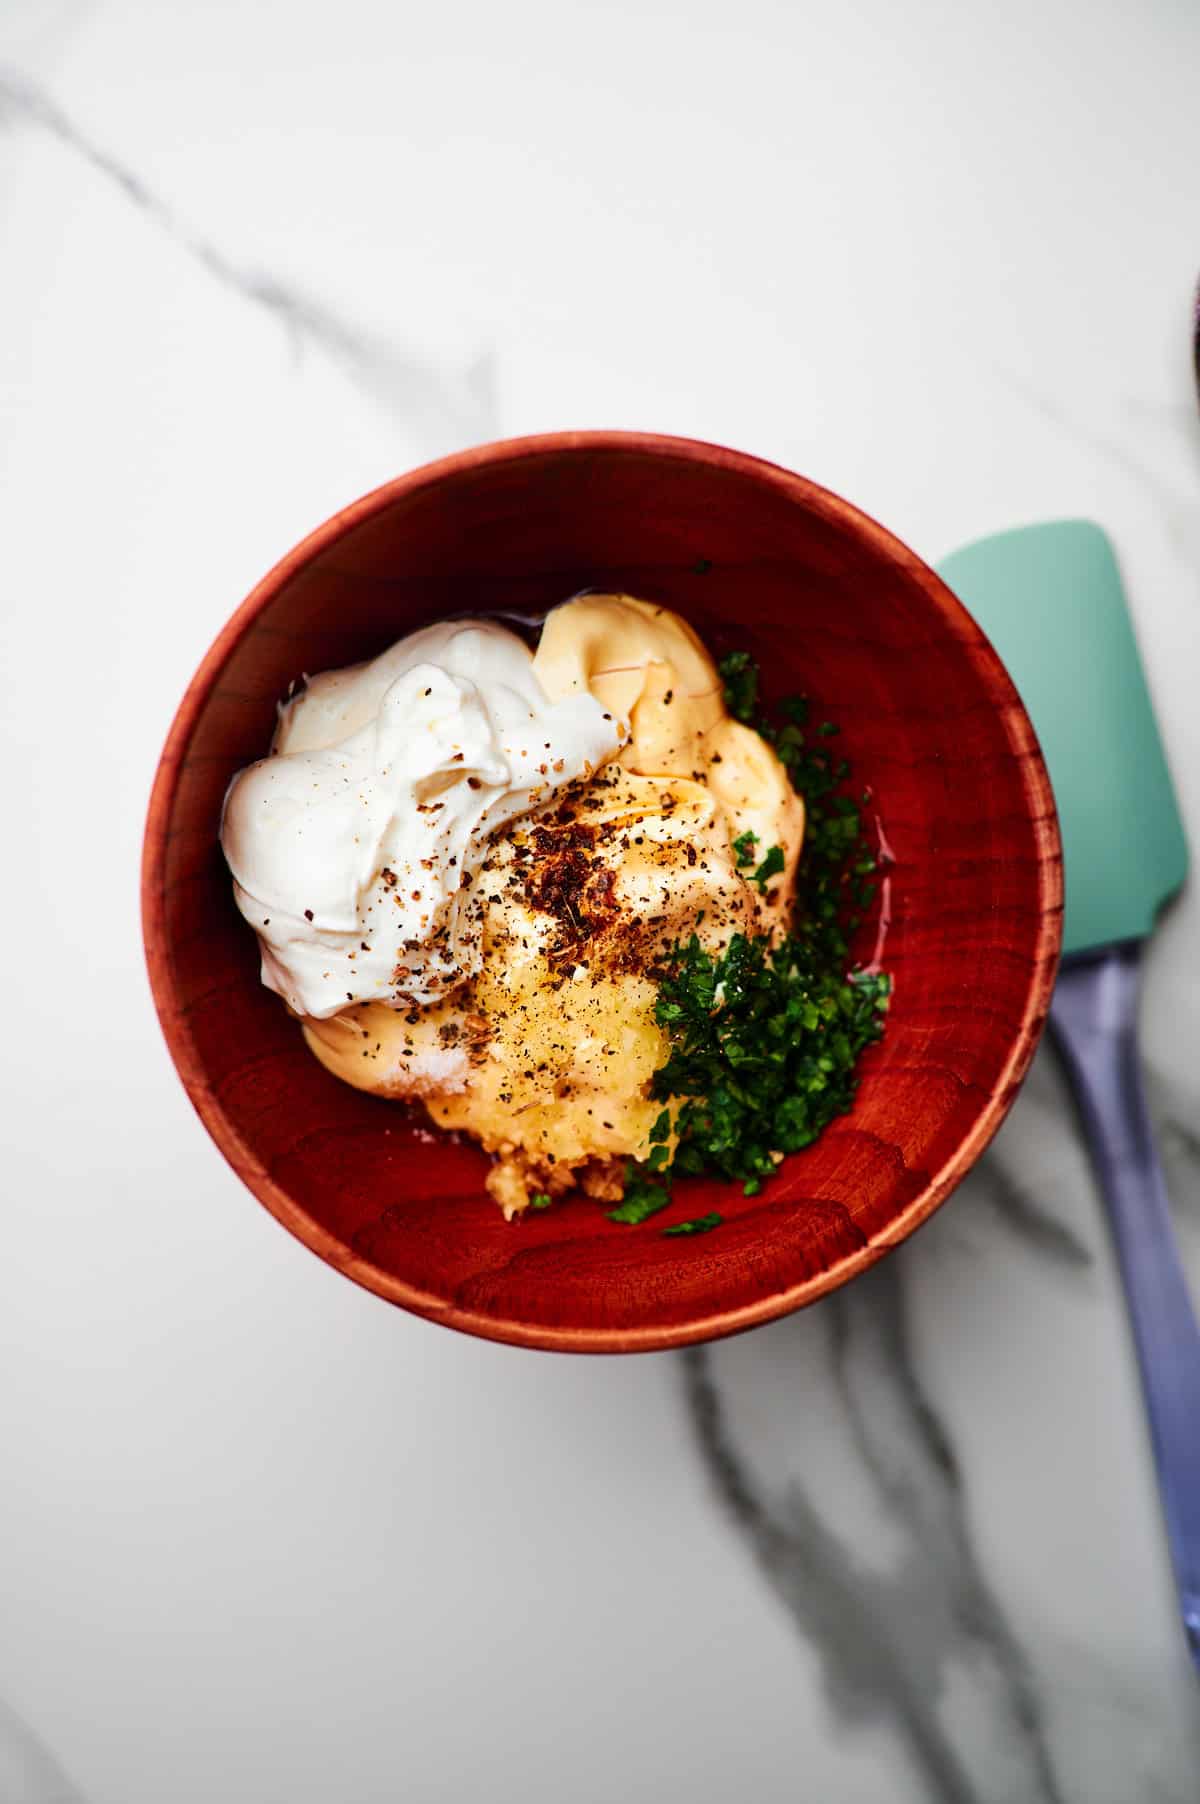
[831, 604]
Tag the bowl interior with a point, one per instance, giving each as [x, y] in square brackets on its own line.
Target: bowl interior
[968, 916]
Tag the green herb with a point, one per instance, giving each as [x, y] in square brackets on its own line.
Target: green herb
[661, 1130]
[700, 1224]
[744, 846]
[834, 883]
[642, 1198]
[539, 1200]
[763, 1071]
[739, 673]
[770, 867]
[765, 1040]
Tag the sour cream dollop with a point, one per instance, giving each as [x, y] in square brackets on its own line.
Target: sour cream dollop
[356, 845]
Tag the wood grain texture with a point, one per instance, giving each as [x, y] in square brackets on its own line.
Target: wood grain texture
[831, 604]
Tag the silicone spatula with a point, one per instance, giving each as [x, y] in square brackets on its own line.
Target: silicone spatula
[1050, 599]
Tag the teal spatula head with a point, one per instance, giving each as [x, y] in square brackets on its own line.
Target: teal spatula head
[1051, 601]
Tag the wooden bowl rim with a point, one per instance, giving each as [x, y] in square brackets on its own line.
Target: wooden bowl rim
[587, 1339]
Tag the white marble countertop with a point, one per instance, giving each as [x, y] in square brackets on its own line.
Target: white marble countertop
[264, 1539]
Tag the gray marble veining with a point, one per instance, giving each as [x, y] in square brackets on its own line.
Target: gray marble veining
[443, 407]
[1127, 452]
[29, 1772]
[916, 1635]
[887, 1640]
[1177, 1117]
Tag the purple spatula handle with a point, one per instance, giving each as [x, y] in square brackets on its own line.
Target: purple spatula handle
[1094, 1013]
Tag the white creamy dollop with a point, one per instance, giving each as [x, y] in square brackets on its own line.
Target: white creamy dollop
[355, 846]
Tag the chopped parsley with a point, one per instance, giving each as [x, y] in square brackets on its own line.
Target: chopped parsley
[765, 1040]
[834, 884]
[743, 847]
[739, 674]
[770, 867]
[643, 1198]
[539, 1200]
[700, 1224]
[661, 1130]
[764, 1045]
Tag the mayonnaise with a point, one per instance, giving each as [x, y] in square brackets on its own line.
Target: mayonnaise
[355, 846]
[650, 668]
